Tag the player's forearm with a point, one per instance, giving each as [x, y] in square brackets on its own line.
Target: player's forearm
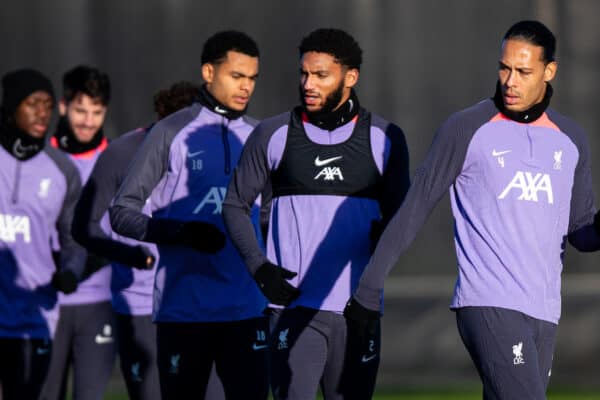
[427, 189]
[72, 257]
[116, 251]
[129, 222]
[398, 235]
[86, 229]
[243, 235]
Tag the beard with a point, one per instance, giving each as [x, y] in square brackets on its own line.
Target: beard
[331, 101]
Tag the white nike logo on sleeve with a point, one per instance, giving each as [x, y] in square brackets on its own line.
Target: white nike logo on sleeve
[499, 153]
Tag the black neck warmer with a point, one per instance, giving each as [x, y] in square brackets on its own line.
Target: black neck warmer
[19, 143]
[67, 141]
[334, 119]
[527, 116]
[208, 101]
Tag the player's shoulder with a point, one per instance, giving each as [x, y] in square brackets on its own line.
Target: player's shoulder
[476, 114]
[177, 121]
[275, 122]
[248, 120]
[389, 128]
[467, 121]
[261, 135]
[125, 145]
[268, 126]
[567, 125]
[63, 163]
[61, 160]
[164, 131]
[571, 129]
[129, 140]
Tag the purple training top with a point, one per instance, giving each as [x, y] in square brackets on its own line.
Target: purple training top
[324, 238]
[131, 288]
[96, 287]
[183, 167]
[36, 204]
[518, 191]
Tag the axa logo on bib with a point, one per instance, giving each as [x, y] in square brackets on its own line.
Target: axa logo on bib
[214, 198]
[328, 173]
[13, 225]
[530, 187]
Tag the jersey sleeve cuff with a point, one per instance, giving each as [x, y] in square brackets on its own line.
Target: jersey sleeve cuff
[368, 297]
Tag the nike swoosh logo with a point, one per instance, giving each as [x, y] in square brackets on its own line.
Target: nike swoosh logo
[258, 346]
[320, 163]
[366, 359]
[103, 339]
[499, 153]
[19, 150]
[220, 110]
[190, 155]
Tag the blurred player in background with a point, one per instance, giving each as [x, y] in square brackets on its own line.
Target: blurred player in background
[85, 334]
[132, 261]
[39, 190]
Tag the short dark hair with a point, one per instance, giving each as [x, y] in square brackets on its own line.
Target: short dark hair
[86, 80]
[216, 47]
[536, 33]
[335, 42]
[178, 96]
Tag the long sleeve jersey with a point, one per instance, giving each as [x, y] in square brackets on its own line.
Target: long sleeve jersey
[518, 190]
[328, 187]
[95, 286]
[184, 166]
[36, 206]
[131, 288]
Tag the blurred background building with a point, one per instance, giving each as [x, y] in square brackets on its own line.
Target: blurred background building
[423, 60]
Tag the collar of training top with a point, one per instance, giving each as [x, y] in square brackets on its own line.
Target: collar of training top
[67, 141]
[208, 101]
[527, 116]
[334, 119]
[18, 143]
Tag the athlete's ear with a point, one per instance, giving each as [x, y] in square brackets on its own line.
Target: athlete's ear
[550, 71]
[208, 72]
[62, 107]
[351, 77]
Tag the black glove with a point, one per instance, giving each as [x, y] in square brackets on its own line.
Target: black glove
[201, 236]
[377, 228]
[272, 281]
[93, 263]
[64, 281]
[361, 321]
[144, 259]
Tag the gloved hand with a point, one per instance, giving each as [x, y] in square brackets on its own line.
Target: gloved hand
[143, 259]
[64, 281]
[273, 282]
[362, 322]
[201, 236]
